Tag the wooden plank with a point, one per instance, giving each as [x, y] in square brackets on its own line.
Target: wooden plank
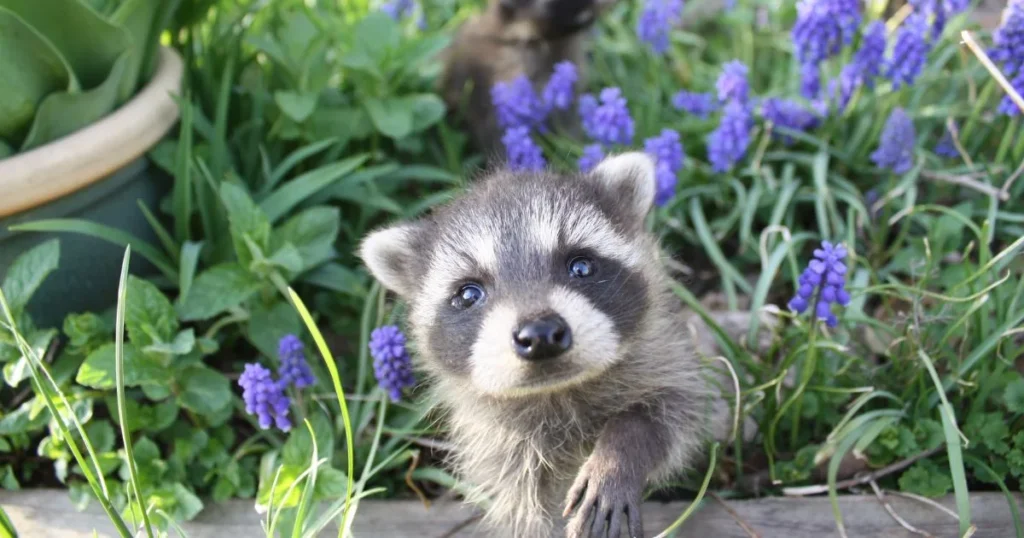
[49, 513]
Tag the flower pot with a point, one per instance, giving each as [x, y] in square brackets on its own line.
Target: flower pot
[99, 173]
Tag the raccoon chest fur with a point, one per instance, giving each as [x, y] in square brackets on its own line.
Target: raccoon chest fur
[520, 457]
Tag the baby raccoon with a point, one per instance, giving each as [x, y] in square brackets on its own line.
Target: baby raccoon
[511, 38]
[540, 310]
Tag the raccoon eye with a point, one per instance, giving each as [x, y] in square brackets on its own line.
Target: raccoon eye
[581, 267]
[467, 296]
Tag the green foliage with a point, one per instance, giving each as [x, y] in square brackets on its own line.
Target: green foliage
[71, 62]
[305, 126]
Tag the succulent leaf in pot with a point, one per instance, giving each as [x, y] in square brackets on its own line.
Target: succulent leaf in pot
[87, 91]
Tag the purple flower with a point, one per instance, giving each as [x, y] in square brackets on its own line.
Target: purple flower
[265, 397]
[517, 104]
[667, 151]
[1008, 40]
[728, 142]
[865, 66]
[945, 147]
[823, 284]
[732, 84]
[822, 28]
[941, 9]
[558, 93]
[391, 362]
[789, 114]
[896, 148]
[397, 9]
[869, 57]
[606, 119]
[1007, 106]
[522, 152]
[698, 104]
[910, 52]
[591, 157]
[294, 368]
[810, 80]
[1008, 49]
[656, 20]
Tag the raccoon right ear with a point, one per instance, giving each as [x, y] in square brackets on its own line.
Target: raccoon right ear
[629, 177]
[390, 254]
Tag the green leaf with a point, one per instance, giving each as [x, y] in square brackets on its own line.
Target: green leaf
[32, 69]
[19, 370]
[183, 344]
[427, 110]
[91, 44]
[393, 117]
[337, 277]
[330, 484]
[149, 316]
[288, 258]
[145, 451]
[297, 106]
[313, 232]
[63, 113]
[927, 479]
[1014, 396]
[292, 193]
[98, 369]
[268, 324]
[101, 434]
[298, 449]
[376, 35]
[217, 289]
[28, 271]
[204, 390]
[246, 219]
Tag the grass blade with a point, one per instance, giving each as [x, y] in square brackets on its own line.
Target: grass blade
[106, 233]
[696, 501]
[37, 371]
[953, 436]
[279, 202]
[122, 412]
[325, 352]
[7, 529]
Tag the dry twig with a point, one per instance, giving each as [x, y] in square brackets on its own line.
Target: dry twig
[864, 479]
[736, 516]
[888, 508]
[967, 181]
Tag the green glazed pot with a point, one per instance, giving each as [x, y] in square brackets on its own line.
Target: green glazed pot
[99, 174]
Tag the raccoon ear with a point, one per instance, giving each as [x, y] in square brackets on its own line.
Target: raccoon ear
[628, 177]
[390, 254]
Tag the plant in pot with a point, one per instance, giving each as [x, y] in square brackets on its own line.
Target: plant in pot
[86, 91]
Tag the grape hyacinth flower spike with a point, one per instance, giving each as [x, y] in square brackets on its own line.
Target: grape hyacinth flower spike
[265, 397]
[392, 365]
[823, 284]
[294, 368]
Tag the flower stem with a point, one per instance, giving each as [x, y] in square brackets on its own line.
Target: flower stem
[805, 378]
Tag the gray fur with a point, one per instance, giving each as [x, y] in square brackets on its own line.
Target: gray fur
[613, 426]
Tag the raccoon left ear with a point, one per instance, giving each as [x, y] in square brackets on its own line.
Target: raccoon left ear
[390, 254]
[629, 177]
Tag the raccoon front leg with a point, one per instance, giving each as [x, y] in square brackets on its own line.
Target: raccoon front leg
[608, 489]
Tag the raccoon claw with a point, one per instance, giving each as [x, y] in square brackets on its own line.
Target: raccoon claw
[601, 505]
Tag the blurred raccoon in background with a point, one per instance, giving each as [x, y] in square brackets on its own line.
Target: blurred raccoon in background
[508, 39]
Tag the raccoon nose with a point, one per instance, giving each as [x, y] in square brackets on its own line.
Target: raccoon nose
[543, 338]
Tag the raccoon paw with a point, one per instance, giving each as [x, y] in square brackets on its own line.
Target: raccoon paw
[602, 502]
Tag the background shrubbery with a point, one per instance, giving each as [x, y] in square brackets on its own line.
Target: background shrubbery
[306, 124]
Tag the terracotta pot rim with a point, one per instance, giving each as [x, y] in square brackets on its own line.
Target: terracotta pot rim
[73, 162]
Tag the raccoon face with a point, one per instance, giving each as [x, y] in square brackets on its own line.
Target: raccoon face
[530, 282]
[554, 18]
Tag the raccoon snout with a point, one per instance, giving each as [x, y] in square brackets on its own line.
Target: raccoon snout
[543, 338]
